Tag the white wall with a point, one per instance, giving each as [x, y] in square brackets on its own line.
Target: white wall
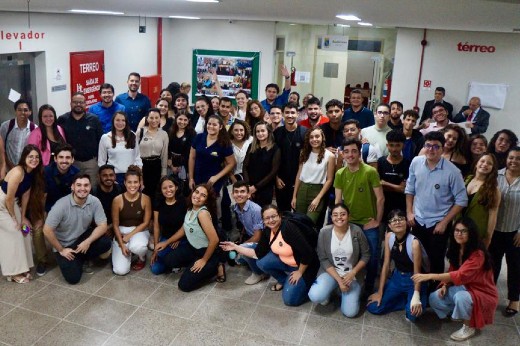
[181, 37]
[445, 66]
[125, 49]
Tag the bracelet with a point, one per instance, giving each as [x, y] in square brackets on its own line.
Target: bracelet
[287, 77]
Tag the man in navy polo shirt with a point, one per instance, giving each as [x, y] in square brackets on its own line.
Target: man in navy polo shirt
[106, 108]
[136, 104]
[357, 111]
[272, 90]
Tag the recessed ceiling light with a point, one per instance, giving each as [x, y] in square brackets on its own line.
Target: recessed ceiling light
[214, 1]
[365, 24]
[293, 24]
[95, 12]
[347, 17]
[184, 17]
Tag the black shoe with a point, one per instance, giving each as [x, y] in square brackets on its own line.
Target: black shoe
[41, 269]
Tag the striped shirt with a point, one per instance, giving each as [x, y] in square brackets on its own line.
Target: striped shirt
[16, 141]
[509, 211]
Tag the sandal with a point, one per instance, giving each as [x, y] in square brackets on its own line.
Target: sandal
[276, 287]
[138, 265]
[22, 280]
[28, 275]
[510, 312]
[221, 278]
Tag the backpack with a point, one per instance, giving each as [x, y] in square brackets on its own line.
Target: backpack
[11, 127]
[304, 224]
[425, 260]
[365, 148]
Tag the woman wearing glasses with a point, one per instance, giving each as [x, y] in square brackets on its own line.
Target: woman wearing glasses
[467, 291]
[285, 254]
[344, 252]
[400, 292]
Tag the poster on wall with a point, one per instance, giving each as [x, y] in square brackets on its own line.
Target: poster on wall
[233, 71]
[87, 74]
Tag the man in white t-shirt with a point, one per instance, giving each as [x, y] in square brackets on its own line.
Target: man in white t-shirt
[376, 134]
[369, 153]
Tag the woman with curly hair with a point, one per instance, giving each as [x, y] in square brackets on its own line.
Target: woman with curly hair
[255, 112]
[315, 175]
[23, 186]
[455, 147]
[261, 164]
[476, 147]
[198, 255]
[500, 145]
[483, 196]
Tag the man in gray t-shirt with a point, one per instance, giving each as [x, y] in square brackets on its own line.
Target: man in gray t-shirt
[68, 229]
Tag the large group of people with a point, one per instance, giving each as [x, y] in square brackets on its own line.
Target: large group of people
[317, 195]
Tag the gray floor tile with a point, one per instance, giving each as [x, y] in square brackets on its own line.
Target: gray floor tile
[274, 299]
[171, 300]
[89, 283]
[235, 288]
[250, 339]
[147, 274]
[5, 308]
[333, 310]
[194, 335]
[23, 327]
[394, 321]
[128, 290]
[148, 327]
[173, 279]
[430, 326]
[115, 341]
[499, 315]
[227, 313]
[326, 331]
[279, 323]
[238, 270]
[55, 300]
[419, 341]
[496, 334]
[72, 335]
[102, 314]
[13, 293]
[381, 337]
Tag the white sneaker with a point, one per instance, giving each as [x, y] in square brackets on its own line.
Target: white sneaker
[87, 268]
[463, 333]
[254, 279]
[325, 302]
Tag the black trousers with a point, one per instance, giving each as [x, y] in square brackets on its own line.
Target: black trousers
[434, 244]
[284, 197]
[72, 270]
[151, 176]
[264, 196]
[502, 243]
[185, 256]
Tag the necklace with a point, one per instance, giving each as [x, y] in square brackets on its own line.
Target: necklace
[400, 243]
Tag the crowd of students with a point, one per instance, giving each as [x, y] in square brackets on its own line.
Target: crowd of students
[125, 177]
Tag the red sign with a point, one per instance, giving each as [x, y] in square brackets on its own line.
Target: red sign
[87, 74]
[475, 48]
[427, 83]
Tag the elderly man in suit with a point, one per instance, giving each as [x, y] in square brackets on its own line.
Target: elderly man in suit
[440, 92]
[476, 118]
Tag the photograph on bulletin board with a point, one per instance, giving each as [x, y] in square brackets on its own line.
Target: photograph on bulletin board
[234, 71]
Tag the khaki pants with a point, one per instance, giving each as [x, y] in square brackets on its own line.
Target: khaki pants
[91, 168]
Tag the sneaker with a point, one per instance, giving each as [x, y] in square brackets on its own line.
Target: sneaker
[41, 269]
[325, 302]
[176, 270]
[463, 333]
[254, 279]
[87, 268]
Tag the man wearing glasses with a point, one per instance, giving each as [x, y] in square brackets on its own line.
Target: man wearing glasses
[435, 194]
[440, 115]
[83, 131]
[376, 134]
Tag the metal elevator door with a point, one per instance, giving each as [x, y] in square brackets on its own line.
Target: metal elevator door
[17, 72]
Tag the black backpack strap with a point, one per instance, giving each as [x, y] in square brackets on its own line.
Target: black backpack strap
[9, 129]
[141, 135]
[275, 235]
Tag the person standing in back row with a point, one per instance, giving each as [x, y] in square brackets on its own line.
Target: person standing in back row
[357, 111]
[136, 104]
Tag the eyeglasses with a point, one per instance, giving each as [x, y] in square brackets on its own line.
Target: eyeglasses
[432, 146]
[272, 217]
[383, 113]
[461, 231]
[397, 219]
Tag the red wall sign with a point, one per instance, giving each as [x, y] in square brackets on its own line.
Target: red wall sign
[87, 74]
[475, 48]
[427, 83]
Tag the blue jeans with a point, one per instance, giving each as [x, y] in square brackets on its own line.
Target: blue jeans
[372, 236]
[251, 262]
[159, 266]
[323, 287]
[398, 294]
[457, 299]
[292, 295]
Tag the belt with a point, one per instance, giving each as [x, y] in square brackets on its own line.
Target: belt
[151, 158]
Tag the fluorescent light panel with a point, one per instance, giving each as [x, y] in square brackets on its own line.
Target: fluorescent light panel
[94, 11]
[213, 1]
[184, 17]
[343, 25]
[364, 24]
[347, 17]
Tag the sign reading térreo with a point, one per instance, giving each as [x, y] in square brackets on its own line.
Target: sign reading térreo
[474, 48]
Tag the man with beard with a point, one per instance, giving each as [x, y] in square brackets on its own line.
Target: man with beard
[357, 111]
[136, 104]
[107, 190]
[106, 108]
[289, 139]
[83, 131]
[396, 110]
[272, 90]
[68, 229]
[314, 117]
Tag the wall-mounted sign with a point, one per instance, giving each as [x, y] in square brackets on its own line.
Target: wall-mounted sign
[333, 43]
[87, 74]
[475, 48]
[21, 36]
[427, 84]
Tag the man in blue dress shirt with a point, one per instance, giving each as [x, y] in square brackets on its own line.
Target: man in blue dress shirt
[358, 111]
[136, 104]
[106, 108]
[272, 90]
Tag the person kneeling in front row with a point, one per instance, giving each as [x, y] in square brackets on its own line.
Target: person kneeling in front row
[344, 252]
[467, 291]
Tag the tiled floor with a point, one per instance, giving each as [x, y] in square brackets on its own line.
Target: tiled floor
[143, 309]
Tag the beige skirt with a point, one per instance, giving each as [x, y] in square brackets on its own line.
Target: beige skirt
[15, 247]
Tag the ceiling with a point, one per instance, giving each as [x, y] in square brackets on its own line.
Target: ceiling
[473, 15]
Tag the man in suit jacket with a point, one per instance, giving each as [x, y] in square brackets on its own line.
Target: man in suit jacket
[476, 118]
[440, 92]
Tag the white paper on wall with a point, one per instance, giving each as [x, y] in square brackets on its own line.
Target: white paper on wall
[491, 95]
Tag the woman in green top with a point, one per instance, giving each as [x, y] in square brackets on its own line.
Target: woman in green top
[483, 196]
[198, 255]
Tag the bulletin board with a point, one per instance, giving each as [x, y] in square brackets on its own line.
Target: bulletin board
[235, 70]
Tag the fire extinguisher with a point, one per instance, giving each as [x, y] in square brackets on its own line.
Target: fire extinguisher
[293, 76]
[387, 88]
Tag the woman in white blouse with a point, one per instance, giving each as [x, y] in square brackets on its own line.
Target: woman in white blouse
[240, 135]
[119, 147]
